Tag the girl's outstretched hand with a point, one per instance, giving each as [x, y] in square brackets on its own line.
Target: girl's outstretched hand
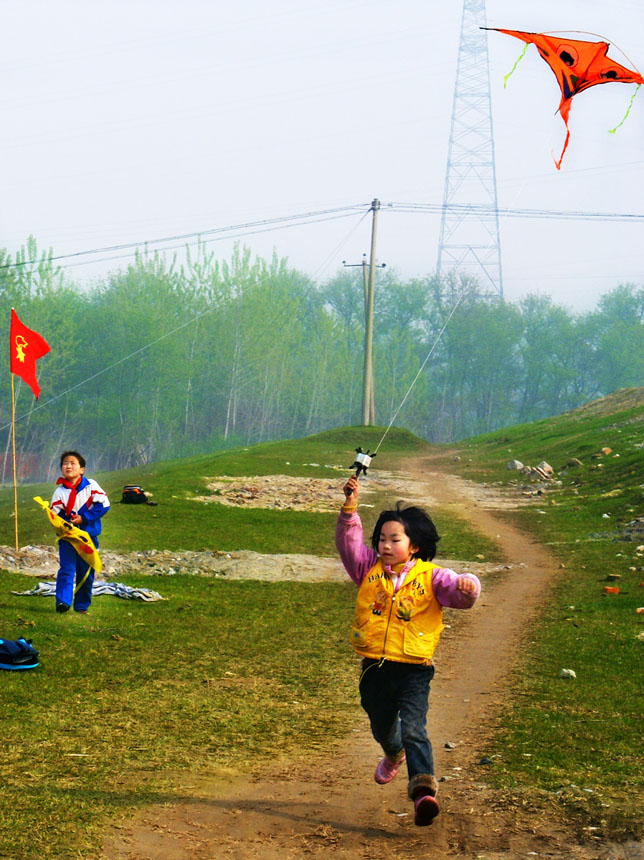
[465, 584]
[351, 491]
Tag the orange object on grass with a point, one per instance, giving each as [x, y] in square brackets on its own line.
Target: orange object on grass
[611, 589]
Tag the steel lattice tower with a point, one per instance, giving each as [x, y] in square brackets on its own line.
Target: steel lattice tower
[469, 237]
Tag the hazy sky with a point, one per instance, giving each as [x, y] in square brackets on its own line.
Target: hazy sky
[131, 121]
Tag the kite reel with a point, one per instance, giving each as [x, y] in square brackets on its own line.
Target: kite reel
[362, 462]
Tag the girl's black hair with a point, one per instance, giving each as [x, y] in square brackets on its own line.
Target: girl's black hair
[418, 526]
[79, 457]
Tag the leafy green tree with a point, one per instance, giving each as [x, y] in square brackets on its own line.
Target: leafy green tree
[616, 330]
[157, 361]
[550, 356]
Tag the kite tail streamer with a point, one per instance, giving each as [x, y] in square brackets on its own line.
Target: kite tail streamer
[565, 147]
[505, 79]
[628, 110]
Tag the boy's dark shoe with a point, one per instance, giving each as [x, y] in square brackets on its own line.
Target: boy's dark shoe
[62, 607]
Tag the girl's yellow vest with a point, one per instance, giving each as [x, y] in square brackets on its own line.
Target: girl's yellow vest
[404, 627]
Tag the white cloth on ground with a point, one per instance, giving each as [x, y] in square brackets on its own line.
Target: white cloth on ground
[48, 589]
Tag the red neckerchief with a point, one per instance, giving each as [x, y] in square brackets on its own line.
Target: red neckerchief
[399, 578]
[71, 501]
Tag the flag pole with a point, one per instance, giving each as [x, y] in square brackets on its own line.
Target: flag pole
[25, 348]
[13, 459]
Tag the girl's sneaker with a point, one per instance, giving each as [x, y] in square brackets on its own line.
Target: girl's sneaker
[425, 810]
[387, 769]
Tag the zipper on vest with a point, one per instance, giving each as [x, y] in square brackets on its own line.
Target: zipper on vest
[384, 643]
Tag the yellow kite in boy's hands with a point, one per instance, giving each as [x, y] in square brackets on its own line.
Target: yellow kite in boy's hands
[79, 539]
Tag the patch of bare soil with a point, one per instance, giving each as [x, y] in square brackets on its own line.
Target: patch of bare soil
[330, 805]
[284, 492]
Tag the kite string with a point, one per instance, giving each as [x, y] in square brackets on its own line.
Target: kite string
[420, 370]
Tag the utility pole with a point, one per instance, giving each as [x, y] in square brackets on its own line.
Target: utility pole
[368, 406]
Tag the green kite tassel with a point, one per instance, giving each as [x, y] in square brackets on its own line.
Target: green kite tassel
[628, 110]
[505, 79]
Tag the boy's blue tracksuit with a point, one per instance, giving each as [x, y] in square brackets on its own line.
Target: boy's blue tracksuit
[90, 502]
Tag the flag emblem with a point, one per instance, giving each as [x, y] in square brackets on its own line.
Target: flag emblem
[25, 348]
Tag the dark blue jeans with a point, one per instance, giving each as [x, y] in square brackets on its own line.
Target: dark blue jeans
[71, 571]
[395, 696]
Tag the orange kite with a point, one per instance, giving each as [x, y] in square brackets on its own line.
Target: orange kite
[577, 65]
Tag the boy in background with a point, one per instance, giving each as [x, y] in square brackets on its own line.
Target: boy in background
[82, 502]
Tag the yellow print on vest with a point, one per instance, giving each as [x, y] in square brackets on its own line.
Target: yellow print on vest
[405, 606]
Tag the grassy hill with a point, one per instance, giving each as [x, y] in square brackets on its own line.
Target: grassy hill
[615, 422]
[134, 701]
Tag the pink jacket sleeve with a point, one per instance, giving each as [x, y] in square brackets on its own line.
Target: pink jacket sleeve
[356, 557]
[446, 592]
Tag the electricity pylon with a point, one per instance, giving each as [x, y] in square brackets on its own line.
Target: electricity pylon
[469, 237]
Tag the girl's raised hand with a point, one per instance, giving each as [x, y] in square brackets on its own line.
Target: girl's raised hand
[351, 491]
[466, 585]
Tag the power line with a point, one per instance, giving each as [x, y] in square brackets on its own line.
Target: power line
[268, 223]
[548, 214]
[315, 217]
[200, 240]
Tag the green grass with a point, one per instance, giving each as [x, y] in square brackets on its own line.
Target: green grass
[134, 703]
[578, 743]
[135, 700]
[137, 703]
[586, 732]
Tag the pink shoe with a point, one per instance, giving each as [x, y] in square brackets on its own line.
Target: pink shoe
[425, 810]
[387, 769]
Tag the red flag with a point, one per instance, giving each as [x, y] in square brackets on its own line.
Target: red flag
[25, 348]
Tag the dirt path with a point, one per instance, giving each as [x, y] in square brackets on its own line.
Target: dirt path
[331, 805]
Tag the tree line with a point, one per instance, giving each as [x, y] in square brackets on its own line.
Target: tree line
[159, 361]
